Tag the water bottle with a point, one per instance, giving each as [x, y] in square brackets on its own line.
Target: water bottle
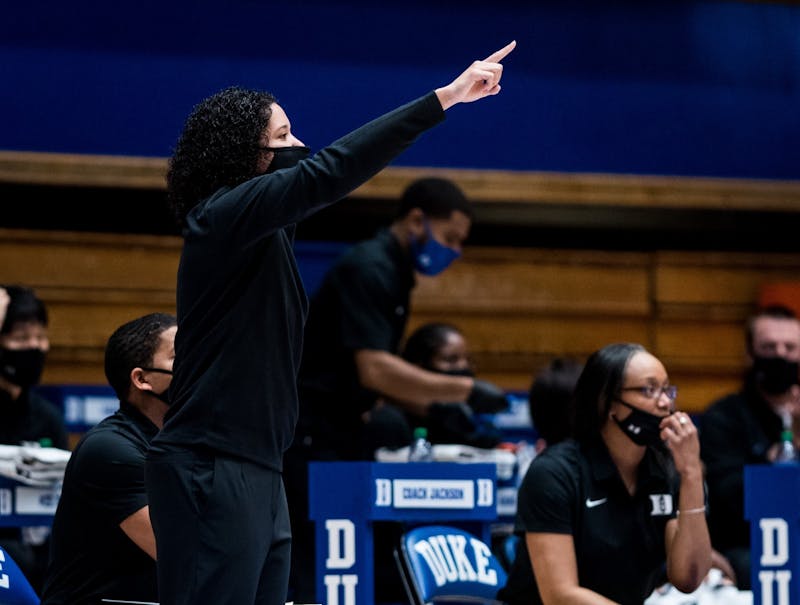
[421, 449]
[787, 454]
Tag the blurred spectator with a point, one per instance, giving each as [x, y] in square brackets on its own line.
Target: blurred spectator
[551, 401]
[27, 418]
[351, 359]
[745, 428]
[442, 348]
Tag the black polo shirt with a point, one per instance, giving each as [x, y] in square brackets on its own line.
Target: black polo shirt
[362, 303]
[575, 489]
[736, 430]
[241, 304]
[91, 557]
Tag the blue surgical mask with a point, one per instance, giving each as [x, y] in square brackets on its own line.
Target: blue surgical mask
[431, 257]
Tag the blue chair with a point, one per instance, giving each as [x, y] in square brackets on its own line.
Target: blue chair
[441, 564]
[14, 586]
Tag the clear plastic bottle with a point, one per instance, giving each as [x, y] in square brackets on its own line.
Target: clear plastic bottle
[787, 454]
[421, 449]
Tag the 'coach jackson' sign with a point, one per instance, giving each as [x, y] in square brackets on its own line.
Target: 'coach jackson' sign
[346, 497]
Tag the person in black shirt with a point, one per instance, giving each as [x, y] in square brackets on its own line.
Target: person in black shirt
[25, 416]
[745, 428]
[351, 362]
[442, 348]
[103, 545]
[357, 318]
[603, 513]
[238, 183]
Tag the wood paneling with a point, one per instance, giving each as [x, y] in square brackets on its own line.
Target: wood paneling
[481, 185]
[92, 283]
[519, 308]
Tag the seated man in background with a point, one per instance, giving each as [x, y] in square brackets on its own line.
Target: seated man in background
[26, 417]
[103, 544]
[442, 348]
[745, 428]
[351, 359]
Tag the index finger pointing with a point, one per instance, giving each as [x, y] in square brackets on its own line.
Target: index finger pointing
[499, 55]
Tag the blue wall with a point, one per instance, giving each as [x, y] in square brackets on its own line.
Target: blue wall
[685, 88]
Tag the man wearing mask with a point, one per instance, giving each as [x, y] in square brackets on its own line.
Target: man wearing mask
[355, 324]
[745, 428]
[25, 417]
[357, 319]
[103, 546]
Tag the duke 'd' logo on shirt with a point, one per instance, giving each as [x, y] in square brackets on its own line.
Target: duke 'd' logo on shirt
[451, 559]
[661, 504]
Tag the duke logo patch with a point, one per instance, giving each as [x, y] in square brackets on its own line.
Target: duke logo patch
[662, 504]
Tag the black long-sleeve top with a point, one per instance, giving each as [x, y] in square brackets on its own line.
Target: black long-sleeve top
[241, 305]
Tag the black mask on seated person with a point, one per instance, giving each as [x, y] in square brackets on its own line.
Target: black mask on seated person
[456, 372]
[22, 367]
[641, 427]
[775, 375]
[164, 395]
[286, 157]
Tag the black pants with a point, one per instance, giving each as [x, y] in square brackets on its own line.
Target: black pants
[222, 529]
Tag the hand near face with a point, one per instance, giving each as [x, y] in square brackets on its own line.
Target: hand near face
[479, 80]
[679, 434]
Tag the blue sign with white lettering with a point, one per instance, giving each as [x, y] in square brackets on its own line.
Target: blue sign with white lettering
[771, 504]
[346, 497]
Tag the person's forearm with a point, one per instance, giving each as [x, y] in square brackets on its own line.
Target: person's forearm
[412, 387]
[577, 595]
[689, 556]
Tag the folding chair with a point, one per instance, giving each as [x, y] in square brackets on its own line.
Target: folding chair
[441, 564]
[14, 586]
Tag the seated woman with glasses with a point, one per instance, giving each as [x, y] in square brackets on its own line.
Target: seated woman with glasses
[604, 514]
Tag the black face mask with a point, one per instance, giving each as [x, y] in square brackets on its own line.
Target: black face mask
[641, 427]
[457, 372]
[164, 395]
[775, 375]
[22, 367]
[286, 157]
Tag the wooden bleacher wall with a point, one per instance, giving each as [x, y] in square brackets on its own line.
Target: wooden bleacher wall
[518, 307]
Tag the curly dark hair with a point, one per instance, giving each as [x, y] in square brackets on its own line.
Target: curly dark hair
[133, 345]
[219, 147]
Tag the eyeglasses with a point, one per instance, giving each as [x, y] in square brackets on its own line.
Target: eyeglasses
[651, 391]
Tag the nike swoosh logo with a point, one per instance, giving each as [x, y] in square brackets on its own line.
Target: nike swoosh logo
[593, 503]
